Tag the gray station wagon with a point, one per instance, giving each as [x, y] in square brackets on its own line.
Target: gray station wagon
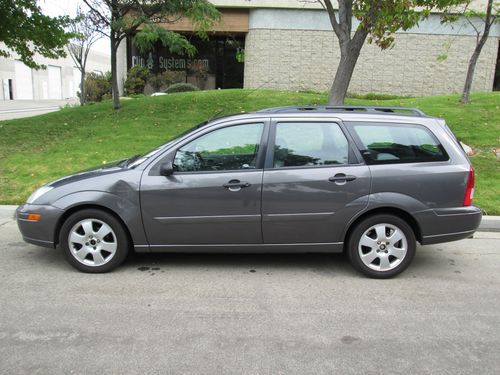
[370, 181]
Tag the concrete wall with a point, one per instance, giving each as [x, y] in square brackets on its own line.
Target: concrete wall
[296, 49]
[41, 85]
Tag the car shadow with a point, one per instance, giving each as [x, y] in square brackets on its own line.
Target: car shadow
[319, 262]
[427, 258]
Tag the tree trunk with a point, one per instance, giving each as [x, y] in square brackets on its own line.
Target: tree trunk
[348, 58]
[475, 55]
[82, 88]
[114, 73]
[470, 76]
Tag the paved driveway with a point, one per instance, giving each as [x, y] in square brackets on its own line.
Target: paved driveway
[11, 109]
[252, 314]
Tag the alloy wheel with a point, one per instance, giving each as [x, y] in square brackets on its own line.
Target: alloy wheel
[382, 247]
[92, 242]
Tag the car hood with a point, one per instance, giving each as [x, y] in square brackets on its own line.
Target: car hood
[108, 168]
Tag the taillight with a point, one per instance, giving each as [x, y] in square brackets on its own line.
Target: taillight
[469, 191]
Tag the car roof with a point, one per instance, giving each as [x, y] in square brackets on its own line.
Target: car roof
[344, 113]
[379, 110]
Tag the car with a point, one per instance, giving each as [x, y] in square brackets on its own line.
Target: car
[368, 181]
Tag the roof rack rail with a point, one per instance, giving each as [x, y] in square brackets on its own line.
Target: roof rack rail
[350, 108]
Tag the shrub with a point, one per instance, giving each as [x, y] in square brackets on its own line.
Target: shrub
[137, 77]
[375, 96]
[97, 87]
[166, 78]
[181, 87]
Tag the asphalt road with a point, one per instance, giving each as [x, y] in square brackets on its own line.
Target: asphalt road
[250, 314]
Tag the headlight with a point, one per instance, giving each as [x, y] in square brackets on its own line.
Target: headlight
[38, 193]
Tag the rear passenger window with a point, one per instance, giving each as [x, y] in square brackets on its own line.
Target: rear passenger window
[398, 143]
[299, 144]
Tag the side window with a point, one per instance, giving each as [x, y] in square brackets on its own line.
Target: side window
[398, 143]
[230, 148]
[308, 144]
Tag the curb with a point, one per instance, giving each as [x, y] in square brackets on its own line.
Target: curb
[488, 223]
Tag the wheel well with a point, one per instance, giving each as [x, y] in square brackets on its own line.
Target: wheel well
[387, 210]
[72, 210]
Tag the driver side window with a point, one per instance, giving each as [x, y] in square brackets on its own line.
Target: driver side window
[231, 148]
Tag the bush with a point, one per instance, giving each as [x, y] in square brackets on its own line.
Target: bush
[181, 87]
[97, 87]
[375, 96]
[166, 78]
[137, 76]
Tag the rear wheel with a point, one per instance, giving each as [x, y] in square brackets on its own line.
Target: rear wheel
[381, 246]
[94, 241]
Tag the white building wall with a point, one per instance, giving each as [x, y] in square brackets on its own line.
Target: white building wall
[121, 65]
[61, 83]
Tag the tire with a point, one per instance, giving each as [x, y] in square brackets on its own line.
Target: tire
[381, 246]
[94, 241]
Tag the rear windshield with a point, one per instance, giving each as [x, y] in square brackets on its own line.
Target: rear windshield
[398, 143]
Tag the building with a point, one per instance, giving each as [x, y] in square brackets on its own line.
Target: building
[290, 45]
[60, 80]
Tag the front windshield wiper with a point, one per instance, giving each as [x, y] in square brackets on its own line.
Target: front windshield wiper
[127, 162]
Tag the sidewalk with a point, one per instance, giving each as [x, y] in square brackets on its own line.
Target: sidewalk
[12, 109]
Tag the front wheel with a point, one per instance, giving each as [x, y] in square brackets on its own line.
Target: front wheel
[94, 241]
[381, 246]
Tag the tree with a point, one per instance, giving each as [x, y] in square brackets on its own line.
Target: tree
[86, 34]
[26, 31]
[125, 18]
[488, 18]
[378, 21]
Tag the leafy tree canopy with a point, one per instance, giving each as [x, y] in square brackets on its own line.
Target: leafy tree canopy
[141, 18]
[380, 19]
[26, 31]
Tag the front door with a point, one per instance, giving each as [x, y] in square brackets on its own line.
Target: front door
[214, 195]
[313, 183]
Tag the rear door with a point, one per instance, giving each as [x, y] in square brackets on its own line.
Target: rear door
[314, 182]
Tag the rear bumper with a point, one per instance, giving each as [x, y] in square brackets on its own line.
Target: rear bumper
[41, 232]
[448, 224]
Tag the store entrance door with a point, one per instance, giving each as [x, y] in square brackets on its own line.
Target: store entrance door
[230, 62]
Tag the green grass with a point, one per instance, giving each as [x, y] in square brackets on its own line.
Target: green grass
[39, 149]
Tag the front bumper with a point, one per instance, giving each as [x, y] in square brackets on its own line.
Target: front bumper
[41, 232]
[448, 224]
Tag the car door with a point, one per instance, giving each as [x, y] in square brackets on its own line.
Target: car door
[314, 182]
[214, 194]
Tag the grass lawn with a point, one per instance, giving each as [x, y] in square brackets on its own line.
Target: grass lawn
[39, 149]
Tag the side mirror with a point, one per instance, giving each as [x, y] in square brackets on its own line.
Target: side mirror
[166, 169]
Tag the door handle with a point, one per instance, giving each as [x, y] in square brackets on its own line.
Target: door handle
[342, 177]
[235, 185]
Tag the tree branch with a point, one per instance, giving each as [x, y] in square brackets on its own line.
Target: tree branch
[98, 13]
[333, 20]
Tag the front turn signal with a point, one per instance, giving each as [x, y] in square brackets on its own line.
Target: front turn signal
[34, 217]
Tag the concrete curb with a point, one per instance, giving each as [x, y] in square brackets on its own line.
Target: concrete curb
[488, 223]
